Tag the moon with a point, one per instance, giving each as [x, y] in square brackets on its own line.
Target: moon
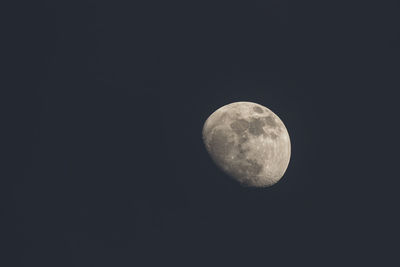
[248, 142]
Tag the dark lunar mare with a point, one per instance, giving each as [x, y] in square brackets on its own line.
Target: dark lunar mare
[258, 109]
[239, 126]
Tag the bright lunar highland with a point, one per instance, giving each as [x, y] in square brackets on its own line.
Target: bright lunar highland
[248, 142]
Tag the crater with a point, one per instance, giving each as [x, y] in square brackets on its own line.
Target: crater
[258, 109]
[273, 135]
[242, 150]
[248, 168]
[241, 154]
[254, 168]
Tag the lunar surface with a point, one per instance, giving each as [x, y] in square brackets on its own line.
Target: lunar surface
[248, 142]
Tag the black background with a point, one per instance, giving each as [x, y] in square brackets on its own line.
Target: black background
[106, 107]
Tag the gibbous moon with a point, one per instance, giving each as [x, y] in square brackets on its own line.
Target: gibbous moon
[248, 142]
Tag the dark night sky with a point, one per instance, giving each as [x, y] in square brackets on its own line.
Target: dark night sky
[107, 103]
